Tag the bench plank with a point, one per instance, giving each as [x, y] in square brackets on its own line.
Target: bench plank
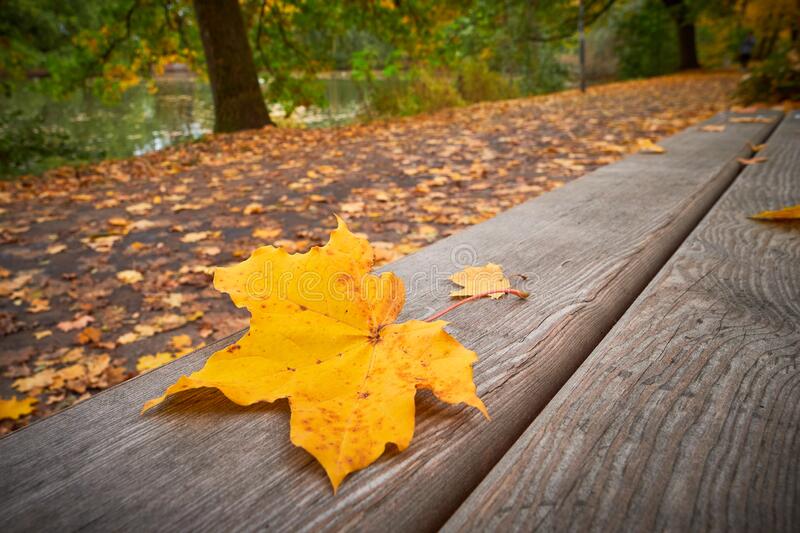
[687, 415]
[200, 462]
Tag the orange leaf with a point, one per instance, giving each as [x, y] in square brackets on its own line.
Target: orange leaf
[322, 334]
[751, 161]
[787, 213]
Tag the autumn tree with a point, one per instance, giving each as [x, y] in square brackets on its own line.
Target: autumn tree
[682, 14]
[238, 103]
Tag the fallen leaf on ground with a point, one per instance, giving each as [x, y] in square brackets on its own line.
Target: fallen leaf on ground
[130, 276]
[323, 336]
[179, 342]
[253, 209]
[646, 146]
[78, 323]
[751, 161]
[196, 236]
[477, 280]
[88, 335]
[39, 305]
[756, 147]
[56, 248]
[787, 213]
[39, 380]
[713, 127]
[266, 234]
[139, 209]
[149, 362]
[13, 408]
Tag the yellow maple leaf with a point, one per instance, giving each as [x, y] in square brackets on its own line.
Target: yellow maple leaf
[322, 334]
[13, 408]
[787, 213]
[478, 280]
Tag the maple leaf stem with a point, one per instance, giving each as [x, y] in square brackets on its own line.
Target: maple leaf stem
[515, 292]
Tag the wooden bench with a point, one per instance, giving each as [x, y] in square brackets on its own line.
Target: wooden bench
[200, 462]
[687, 415]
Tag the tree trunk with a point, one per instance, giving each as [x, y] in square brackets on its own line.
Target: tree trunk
[687, 45]
[238, 102]
[687, 42]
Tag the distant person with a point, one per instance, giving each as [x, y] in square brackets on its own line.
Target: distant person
[746, 49]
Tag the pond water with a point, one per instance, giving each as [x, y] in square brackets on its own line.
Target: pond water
[181, 109]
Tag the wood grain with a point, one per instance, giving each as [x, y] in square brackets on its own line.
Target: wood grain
[200, 462]
[687, 415]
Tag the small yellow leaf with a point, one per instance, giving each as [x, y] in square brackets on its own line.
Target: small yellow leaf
[149, 362]
[13, 408]
[266, 234]
[56, 248]
[139, 209]
[118, 222]
[646, 146]
[179, 342]
[751, 120]
[478, 280]
[323, 334]
[713, 127]
[196, 236]
[757, 147]
[787, 213]
[129, 276]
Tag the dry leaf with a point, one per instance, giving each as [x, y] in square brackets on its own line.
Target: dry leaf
[477, 280]
[149, 362]
[713, 127]
[39, 380]
[751, 161]
[787, 213]
[88, 335]
[266, 234]
[13, 408]
[139, 209]
[322, 334]
[196, 236]
[751, 120]
[130, 276]
[253, 209]
[78, 323]
[179, 342]
[56, 248]
[756, 147]
[646, 146]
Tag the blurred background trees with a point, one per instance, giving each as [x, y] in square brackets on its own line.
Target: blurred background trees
[280, 60]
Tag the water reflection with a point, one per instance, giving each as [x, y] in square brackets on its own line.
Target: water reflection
[181, 109]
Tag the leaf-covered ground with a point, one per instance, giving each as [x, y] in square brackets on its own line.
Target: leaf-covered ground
[107, 268]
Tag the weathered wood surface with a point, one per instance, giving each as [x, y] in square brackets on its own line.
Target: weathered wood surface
[200, 462]
[687, 415]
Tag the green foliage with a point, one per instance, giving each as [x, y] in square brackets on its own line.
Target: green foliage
[28, 147]
[476, 83]
[646, 43]
[419, 90]
[775, 80]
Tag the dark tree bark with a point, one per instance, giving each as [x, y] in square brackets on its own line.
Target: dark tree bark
[687, 41]
[238, 103]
